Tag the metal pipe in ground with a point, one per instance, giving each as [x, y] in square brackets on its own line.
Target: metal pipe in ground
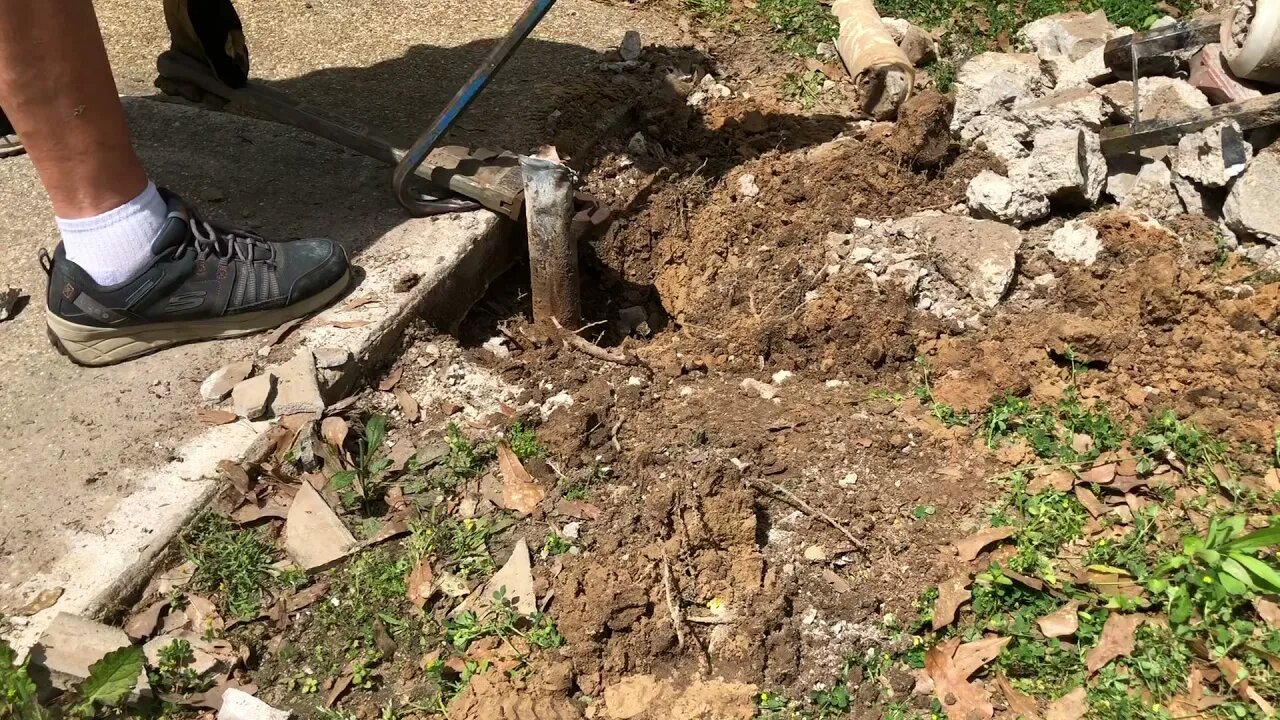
[553, 251]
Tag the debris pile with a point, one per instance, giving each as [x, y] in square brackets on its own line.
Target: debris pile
[1044, 114]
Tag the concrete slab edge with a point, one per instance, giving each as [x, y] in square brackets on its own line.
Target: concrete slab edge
[454, 257]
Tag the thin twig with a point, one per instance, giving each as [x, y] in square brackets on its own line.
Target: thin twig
[613, 434]
[676, 619]
[773, 488]
[582, 345]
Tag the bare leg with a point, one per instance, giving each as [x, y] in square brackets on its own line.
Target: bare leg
[57, 89]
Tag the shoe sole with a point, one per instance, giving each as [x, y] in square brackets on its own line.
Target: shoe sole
[10, 150]
[95, 347]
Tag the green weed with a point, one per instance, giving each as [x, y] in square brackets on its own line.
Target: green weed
[173, 672]
[555, 544]
[524, 442]
[366, 483]
[233, 563]
[112, 679]
[1050, 430]
[368, 587]
[802, 87]
[502, 621]
[708, 8]
[944, 413]
[461, 544]
[466, 459]
[1167, 436]
[802, 23]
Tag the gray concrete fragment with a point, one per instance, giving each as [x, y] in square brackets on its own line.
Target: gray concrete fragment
[1194, 199]
[1160, 98]
[222, 381]
[978, 256]
[996, 197]
[1153, 192]
[631, 46]
[71, 644]
[297, 389]
[1088, 71]
[314, 537]
[995, 80]
[1065, 164]
[1076, 241]
[251, 398]
[1070, 34]
[1251, 205]
[329, 358]
[1074, 107]
[1004, 138]
[1213, 156]
[240, 705]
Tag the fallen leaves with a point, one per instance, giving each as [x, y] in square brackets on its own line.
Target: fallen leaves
[215, 417]
[969, 548]
[419, 583]
[1061, 622]
[950, 664]
[520, 492]
[1116, 641]
[1072, 706]
[43, 600]
[408, 405]
[952, 593]
[334, 431]
[1268, 611]
[1020, 704]
[391, 380]
[144, 623]
[1236, 676]
[306, 597]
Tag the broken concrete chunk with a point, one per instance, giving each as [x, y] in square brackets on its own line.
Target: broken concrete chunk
[1153, 193]
[1075, 107]
[240, 705]
[1070, 34]
[71, 644]
[631, 46]
[1000, 136]
[1195, 199]
[915, 42]
[996, 197]
[331, 358]
[1160, 98]
[8, 302]
[1088, 71]
[1076, 241]
[222, 381]
[297, 389]
[1251, 204]
[251, 398]
[751, 386]
[995, 80]
[1065, 164]
[1213, 156]
[978, 256]
[314, 537]
[515, 579]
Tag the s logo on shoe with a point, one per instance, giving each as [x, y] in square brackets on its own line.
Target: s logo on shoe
[69, 291]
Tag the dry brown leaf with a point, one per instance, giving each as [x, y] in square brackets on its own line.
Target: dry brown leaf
[961, 699]
[1090, 502]
[1268, 611]
[236, 473]
[970, 657]
[1020, 704]
[334, 431]
[578, 509]
[969, 548]
[520, 492]
[391, 380]
[408, 405]
[1116, 640]
[359, 302]
[215, 417]
[43, 600]
[252, 512]
[389, 531]
[1128, 483]
[418, 584]
[952, 593]
[1100, 474]
[396, 501]
[400, 455]
[339, 687]
[1072, 706]
[1061, 622]
[1113, 585]
[1237, 678]
[306, 597]
[1060, 480]
[1033, 583]
[278, 334]
[143, 624]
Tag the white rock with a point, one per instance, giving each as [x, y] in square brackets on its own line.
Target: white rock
[747, 187]
[498, 346]
[1213, 156]
[572, 530]
[1194, 198]
[849, 480]
[782, 376]
[1076, 241]
[995, 197]
[1153, 193]
[1070, 34]
[1006, 139]
[1064, 164]
[1074, 107]
[816, 553]
[751, 386]
[994, 80]
[1251, 205]
[222, 381]
[297, 387]
[250, 398]
[977, 256]
[1159, 98]
[561, 399]
[1088, 71]
[240, 705]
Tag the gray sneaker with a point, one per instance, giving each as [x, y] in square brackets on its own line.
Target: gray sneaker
[9, 142]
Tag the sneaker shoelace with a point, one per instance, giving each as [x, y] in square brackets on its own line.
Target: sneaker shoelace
[210, 240]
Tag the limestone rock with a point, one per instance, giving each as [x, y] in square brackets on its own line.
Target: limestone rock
[222, 381]
[297, 389]
[1213, 156]
[978, 256]
[1076, 241]
[1065, 164]
[251, 398]
[240, 705]
[1160, 98]
[314, 536]
[1070, 34]
[631, 46]
[1251, 204]
[71, 644]
[996, 197]
[1088, 71]
[1153, 192]
[995, 80]
[1075, 107]
[1004, 138]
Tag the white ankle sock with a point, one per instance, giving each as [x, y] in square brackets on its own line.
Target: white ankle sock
[115, 246]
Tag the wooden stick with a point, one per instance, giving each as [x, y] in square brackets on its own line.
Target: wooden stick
[582, 345]
[774, 488]
[676, 619]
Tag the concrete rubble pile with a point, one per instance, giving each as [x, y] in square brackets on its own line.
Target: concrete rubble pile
[1040, 113]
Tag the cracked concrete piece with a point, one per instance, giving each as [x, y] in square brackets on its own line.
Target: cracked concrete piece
[1251, 204]
[1065, 164]
[978, 256]
[1153, 192]
[996, 197]
[1076, 241]
[222, 381]
[995, 80]
[1070, 34]
[71, 644]
[1088, 71]
[329, 358]
[1194, 199]
[297, 390]
[1213, 156]
[251, 398]
[1161, 98]
[1075, 107]
[1000, 136]
[314, 536]
[240, 705]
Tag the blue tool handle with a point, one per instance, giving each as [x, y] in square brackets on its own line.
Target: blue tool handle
[416, 155]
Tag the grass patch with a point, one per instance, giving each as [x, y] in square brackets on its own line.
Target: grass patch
[803, 87]
[802, 24]
[233, 563]
[1051, 430]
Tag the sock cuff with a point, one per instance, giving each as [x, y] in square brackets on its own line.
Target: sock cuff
[148, 202]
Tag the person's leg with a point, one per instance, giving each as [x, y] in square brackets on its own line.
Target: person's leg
[136, 270]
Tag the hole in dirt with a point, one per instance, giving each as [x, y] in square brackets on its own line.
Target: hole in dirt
[1069, 361]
